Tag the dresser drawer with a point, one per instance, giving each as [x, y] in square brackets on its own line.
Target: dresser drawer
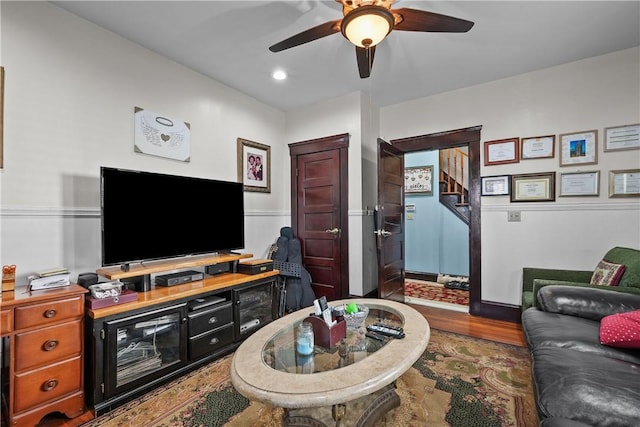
[207, 320]
[48, 312]
[41, 385]
[48, 344]
[6, 321]
[210, 341]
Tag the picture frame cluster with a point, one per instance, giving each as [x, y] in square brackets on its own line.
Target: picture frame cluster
[574, 149]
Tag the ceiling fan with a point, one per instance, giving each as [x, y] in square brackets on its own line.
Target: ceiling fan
[367, 23]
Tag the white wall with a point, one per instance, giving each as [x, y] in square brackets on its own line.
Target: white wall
[71, 88]
[571, 232]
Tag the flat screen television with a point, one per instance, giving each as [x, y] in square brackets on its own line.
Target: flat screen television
[151, 216]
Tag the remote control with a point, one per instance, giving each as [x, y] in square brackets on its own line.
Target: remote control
[375, 336]
[389, 331]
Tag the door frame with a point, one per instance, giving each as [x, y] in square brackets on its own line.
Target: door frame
[469, 137]
[335, 142]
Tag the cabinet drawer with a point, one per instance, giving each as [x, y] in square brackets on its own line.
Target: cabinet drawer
[48, 344]
[41, 385]
[210, 341]
[207, 320]
[48, 312]
[6, 321]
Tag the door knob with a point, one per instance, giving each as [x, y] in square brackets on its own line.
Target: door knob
[334, 230]
[383, 233]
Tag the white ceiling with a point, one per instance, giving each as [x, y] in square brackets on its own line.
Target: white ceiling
[229, 41]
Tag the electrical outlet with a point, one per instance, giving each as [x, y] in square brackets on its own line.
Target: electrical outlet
[513, 216]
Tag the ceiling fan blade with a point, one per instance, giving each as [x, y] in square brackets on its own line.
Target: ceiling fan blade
[421, 20]
[365, 60]
[307, 36]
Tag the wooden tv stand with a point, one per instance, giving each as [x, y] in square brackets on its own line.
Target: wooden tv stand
[195, 322]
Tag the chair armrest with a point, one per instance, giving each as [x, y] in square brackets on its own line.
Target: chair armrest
[586, 302]
[530, 273]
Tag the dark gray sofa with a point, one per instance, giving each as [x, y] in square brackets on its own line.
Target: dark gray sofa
[578, 381]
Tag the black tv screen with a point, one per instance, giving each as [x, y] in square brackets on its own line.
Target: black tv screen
[149, 216]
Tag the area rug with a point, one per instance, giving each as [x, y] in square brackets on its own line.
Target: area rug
[433, 291]
[459, 381]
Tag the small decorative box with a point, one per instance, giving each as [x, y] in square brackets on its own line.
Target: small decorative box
[126, 296]
[106, 290]
[323, 335]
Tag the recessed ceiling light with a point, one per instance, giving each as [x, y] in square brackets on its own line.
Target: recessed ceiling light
[279, 75]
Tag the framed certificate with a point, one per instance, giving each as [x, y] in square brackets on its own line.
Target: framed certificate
[579, 148]
[620, 138]
[538, 147]
[533, 187]
[496, 185]
[580, 184]
[501, 151]
[624, 183]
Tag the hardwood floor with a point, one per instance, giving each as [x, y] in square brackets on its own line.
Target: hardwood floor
[439, 318]
[473, 326]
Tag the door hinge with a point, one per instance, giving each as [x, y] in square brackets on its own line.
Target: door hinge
[101, 333]
[102, 388]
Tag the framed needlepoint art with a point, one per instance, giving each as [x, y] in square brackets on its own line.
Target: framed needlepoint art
[418, 179]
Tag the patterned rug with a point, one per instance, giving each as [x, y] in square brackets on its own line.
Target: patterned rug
[433, 291]
[459, 381]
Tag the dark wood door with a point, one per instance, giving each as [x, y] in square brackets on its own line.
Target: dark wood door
[389, 218]
[319, 212]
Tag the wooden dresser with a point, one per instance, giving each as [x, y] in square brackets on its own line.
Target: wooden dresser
[45, 335]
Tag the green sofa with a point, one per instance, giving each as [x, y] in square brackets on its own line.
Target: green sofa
[535, 278]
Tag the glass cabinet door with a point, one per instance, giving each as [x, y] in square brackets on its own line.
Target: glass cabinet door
[255, 305]
[146, 347]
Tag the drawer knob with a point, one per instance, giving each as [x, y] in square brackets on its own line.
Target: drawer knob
[50, 345]
[50, 313]
[49, 385]
[214, 340]
[213, 319]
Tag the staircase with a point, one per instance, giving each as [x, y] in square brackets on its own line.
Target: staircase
[454, 181]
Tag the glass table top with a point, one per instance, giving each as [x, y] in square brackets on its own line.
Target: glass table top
[280, 354]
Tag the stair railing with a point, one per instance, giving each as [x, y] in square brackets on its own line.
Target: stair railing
[452, 171]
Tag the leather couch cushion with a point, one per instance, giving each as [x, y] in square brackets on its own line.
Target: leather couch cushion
[543, 329]
[621, 330]
[586, 387]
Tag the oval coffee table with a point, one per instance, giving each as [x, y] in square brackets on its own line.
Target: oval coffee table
[265, 367]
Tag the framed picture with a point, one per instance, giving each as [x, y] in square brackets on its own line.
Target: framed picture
[538, 147]
[501, 151]
[624, 183]
[496, 185]
[418, 179]
[533, 187]
[580, 184]
[160, 135]
[579, 148]
[254, 166]
[1, 117]
[620, 138]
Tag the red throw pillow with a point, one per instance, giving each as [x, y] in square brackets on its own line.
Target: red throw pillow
[607, 274]
[621, 330]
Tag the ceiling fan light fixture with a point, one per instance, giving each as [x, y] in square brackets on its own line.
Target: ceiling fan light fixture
[367, 26]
